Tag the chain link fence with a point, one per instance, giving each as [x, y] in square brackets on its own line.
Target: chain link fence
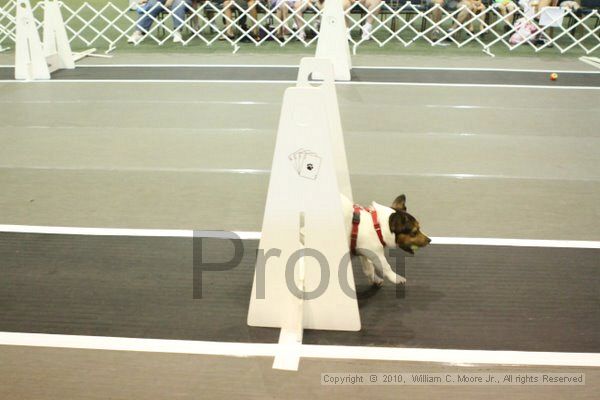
[254, 22]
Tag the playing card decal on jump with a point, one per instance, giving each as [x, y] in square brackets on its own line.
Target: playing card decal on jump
[306, 163]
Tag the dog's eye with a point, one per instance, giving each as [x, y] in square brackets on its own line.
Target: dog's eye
[413, 234]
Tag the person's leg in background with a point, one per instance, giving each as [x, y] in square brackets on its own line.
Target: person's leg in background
[152, 8]
[508, 12]
[373, 7]
[538, 6]
[299, 7]
[347, 4]
[179, 8]
[253, 19]
[304, 5]
[467, 9]
[148, 11]
[477, 8]
[436, 16]
[282, 12]
[195, 18]
[228, 7]
[249, 6]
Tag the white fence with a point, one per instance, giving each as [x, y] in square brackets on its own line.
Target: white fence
[393, 21]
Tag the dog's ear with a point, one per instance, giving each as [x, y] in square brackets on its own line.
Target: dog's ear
[402, 222]
[400, 203]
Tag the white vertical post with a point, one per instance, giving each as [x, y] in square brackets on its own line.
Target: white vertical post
[56, 43]
[333, 39]
[303, 217]
[30, 62]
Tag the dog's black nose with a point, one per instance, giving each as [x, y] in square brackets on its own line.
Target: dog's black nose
[428, 240]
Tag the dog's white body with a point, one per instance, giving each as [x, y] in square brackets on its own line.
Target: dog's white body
[370, 250]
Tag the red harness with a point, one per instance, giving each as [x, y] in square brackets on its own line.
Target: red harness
[356, 222]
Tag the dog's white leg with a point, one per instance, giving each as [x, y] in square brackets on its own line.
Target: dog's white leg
[386, 269]
[369, 270]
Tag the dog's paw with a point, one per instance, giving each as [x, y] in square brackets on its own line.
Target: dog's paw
[377, 280]
[399, 280]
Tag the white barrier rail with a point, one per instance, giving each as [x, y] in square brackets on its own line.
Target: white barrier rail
[387, 22]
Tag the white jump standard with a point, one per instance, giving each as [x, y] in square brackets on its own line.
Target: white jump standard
[34, 60]
[304, 222]
[333, 41]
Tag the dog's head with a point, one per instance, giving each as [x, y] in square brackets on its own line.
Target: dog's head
[406, 228]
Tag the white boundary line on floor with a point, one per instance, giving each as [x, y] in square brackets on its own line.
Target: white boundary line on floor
[289, 82]
[251, 235]
[254, 171]
[558, 71]
[237, 349]
[191, 65]
[416, 68]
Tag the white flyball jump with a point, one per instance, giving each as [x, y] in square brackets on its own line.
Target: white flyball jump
[304, 224]
[32, 59]
[333, 40]
[56, 43]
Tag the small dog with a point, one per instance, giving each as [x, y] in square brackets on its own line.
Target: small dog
[398, 229]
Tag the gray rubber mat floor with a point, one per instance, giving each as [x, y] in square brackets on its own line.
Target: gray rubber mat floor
[279, 73]
[459, 297]
[91, 374]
